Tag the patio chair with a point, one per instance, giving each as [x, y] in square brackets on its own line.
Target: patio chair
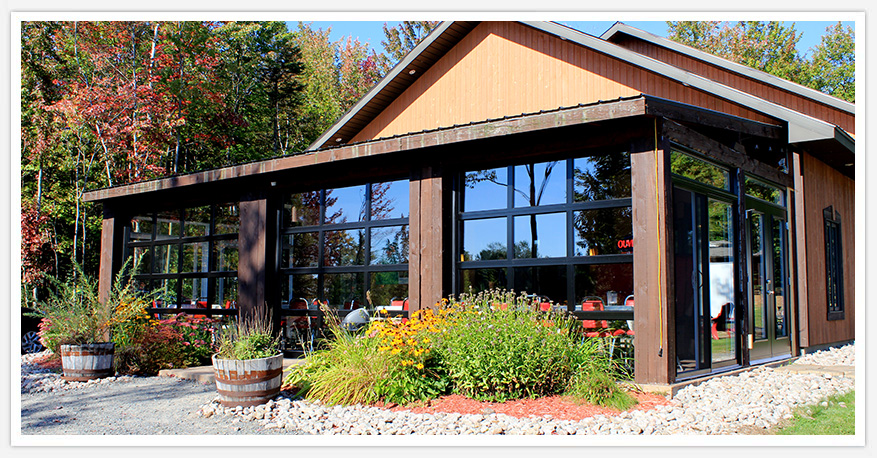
[590, 304]
[299, 328]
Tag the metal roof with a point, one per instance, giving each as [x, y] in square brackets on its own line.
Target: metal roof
[744, 70]
[802, 128]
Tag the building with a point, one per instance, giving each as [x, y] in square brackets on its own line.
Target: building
[625, 169]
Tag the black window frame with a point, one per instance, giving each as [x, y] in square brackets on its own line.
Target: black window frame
[569, 208]
[152, 278]
[834, 288]
[366, 269]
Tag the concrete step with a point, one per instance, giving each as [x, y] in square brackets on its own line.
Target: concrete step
[204, 374]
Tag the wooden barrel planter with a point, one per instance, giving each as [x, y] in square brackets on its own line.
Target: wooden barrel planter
[247, 382]
[81, 363]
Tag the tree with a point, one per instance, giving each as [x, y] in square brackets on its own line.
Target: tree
[771, 47]
[833, 69]
[401, 39]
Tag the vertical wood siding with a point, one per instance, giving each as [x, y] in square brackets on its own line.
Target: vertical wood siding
[757, 88]
[506, 68]
[824, 186]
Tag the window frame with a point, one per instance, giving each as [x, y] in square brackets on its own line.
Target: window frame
[834, 288]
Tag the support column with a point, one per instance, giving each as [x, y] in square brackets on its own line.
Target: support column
[654, 349]
[112, 246]
[426, 263]
[257, 240]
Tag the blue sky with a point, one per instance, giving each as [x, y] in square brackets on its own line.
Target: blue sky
[372, 31]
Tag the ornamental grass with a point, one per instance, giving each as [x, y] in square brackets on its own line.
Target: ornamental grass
[491, 346]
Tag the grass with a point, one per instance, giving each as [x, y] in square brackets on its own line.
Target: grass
[833, 419]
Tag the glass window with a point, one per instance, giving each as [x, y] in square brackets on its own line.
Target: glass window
[197, 221]
[195, 257]
[477, 280]
[304, 286]
[141, 228]
[300, 250]
[389, 200]
[700, 170]
[484, 239]
[341, 290]
[389, 245]
[385, 287]
[540, 184]
[833, 264]
[225, 252]
[603, 231]
[345, 248]
[228, 219]
[302, 209]
[485, 190]
[142, 263]
[194, 294]
[602, 177]
[166, 259]
[546, 281]
[227, 292]
[606, 282]
[540, 236]
[168, 225]
[345, 205]
[763, 191]
[167, 293]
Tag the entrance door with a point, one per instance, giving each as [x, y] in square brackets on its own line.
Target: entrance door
[706, 335]
[768, 313]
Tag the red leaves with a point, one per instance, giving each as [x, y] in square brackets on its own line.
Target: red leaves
[36, 247]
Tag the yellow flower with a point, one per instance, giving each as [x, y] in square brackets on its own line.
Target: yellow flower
[419, 365]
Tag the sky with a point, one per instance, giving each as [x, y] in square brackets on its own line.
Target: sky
[372, 31]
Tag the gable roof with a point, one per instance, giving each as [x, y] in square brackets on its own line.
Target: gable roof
[802, 128]
[619, 29]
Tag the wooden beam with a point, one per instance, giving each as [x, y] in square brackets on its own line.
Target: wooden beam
[799, 255]
[111, 250]
[476, 131]
[688, 137]
[255, 250]
[676, 111]
[654, 352]
[414, 219]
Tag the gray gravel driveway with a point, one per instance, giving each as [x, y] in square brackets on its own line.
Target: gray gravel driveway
[154, 405]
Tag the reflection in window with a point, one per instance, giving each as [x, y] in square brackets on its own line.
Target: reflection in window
[486, 190]
[700, 170]
[166, 259]
[344, 289]
[197, 221]
[195, 257]
[602, 177]
[227, 219]
[484, 279]
[602, 231]
[345, 205]
[778, 234]
[141, 228]
[300, 250]
[764, 191]
[168, 225]
[227, 292]
[721, 279]
[302, 209]
[389, 200]
[345, 248]
[225, 252]
[540, 184]
[833, 263]
[194, 292]
[142, 260]
[167, 293]
[389, 245]
[484, 239]
[540, 236]
[361, 242]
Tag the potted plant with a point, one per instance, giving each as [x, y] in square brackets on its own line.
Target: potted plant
[248, 365]
[78, 325]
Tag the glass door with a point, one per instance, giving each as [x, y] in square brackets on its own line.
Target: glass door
[768, 281]
[705, 302]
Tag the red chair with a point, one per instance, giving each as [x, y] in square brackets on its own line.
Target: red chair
[593, 305]
[720, 320]
[628, 301]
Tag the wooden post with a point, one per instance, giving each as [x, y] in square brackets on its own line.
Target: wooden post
[654, 350]
[426, 263]
[112, 245]
[257, 241]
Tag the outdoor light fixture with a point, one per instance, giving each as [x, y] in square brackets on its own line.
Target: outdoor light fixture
[412, 71]
[338, 139]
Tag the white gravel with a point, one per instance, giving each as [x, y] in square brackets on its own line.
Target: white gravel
[751, 401]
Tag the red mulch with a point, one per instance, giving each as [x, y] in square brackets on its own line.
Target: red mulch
[556, 406]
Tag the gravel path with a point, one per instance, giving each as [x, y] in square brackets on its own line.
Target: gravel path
[751, 401]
